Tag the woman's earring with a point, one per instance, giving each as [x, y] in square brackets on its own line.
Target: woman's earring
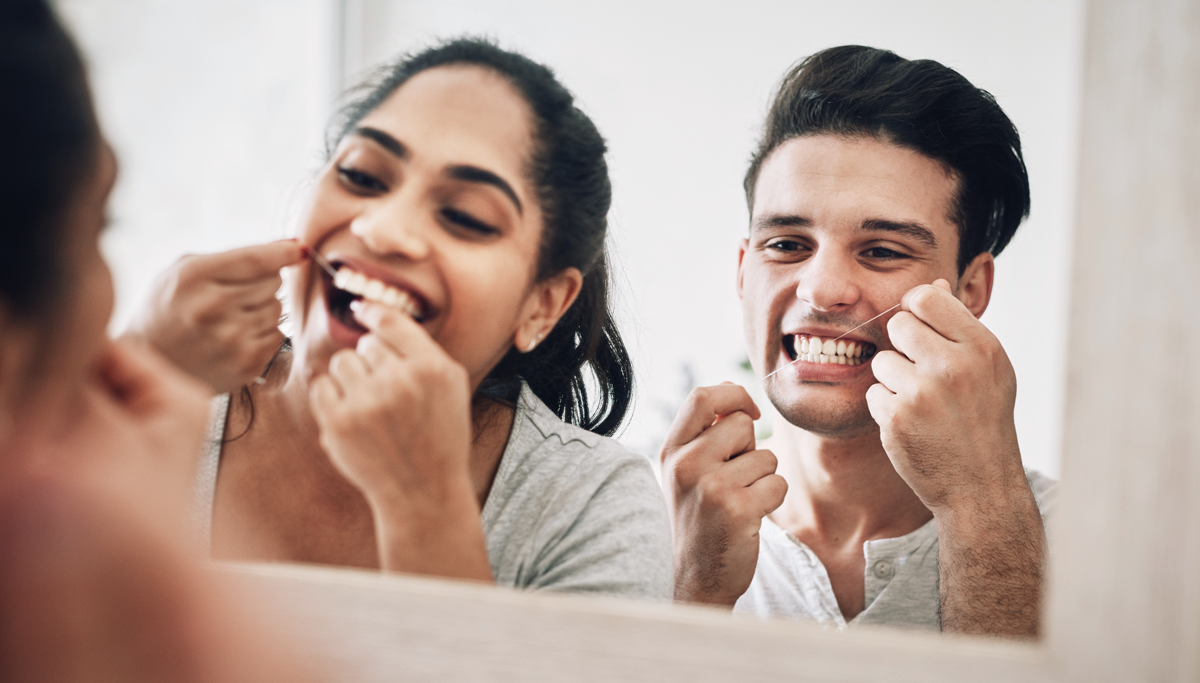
[533, 343]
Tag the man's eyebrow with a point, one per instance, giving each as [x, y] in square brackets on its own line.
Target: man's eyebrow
[474, 174]
[915, 231]
[384, 140]
[779, 220]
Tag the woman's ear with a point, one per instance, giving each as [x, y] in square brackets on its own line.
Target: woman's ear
[547, 302]
[975, 285]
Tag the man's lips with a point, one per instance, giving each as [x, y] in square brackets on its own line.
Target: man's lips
[828, 350]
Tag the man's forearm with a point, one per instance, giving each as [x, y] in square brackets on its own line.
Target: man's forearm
[991, 560]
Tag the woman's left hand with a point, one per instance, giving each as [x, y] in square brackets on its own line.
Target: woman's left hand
[395, 419]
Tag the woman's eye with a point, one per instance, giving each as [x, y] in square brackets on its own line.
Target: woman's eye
[884, 254]
[361, 180]
[466, 220]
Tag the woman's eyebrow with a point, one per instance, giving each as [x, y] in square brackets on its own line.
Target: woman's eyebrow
[474, 174]
[384, 140]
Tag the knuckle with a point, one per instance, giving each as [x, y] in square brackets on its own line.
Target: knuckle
[700, 396]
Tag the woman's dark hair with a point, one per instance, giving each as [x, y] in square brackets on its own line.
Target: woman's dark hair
[50, 144]
[920, 105]
[568, 169]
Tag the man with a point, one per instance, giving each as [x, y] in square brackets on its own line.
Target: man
[900, 496]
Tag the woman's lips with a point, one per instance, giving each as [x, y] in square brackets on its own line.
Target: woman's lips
[350, 284]
[361, 286]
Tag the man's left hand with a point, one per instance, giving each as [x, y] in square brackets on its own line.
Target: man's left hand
[944, 402]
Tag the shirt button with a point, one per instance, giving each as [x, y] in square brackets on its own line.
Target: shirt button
[883, 569]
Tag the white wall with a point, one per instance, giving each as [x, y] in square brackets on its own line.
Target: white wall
[216, 109]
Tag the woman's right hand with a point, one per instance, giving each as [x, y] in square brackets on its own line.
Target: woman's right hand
[216, 316]
[395, 419]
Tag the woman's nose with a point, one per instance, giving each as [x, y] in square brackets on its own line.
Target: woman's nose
[828, 282]
[393, 229]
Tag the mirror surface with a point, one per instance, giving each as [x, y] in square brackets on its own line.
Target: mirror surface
[217, 111]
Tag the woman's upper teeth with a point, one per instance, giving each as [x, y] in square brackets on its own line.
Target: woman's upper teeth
[376, 290]
[839, 351]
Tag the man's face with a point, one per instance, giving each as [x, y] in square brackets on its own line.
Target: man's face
[840, 229]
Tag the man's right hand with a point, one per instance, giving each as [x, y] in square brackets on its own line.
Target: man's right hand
[718, 490]
[216, 316]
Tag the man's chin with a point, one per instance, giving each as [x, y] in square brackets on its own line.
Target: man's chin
[829, 418]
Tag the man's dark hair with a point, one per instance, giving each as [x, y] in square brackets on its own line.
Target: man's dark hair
[919, 105]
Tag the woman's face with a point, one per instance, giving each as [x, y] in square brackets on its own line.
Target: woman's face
[429, 204]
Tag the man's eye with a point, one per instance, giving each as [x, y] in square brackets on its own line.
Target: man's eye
[884, 254]
[360, 180]
[785, 246]
[465, 220]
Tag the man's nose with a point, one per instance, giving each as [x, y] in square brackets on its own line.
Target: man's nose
[828, 281]
[394, 228]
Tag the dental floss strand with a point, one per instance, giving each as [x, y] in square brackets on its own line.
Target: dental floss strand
[834, 339]
[320, 260]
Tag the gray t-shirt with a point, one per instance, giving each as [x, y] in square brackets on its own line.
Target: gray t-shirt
[900, 580]
[568, 511]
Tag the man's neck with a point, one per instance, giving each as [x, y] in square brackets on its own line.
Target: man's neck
[841, 491]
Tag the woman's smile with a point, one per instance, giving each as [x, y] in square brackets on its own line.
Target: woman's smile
[431, 214]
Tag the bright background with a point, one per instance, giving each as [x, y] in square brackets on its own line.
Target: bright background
[217, 111]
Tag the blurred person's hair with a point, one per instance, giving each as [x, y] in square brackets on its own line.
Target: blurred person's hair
[50, 142]
[856, 91]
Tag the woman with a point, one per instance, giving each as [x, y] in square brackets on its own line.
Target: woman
[97, 439]
[416, 423]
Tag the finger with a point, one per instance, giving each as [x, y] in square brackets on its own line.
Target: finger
[712, 449]
[249, 294]
[397, 330]
[897, 373]
[770, 492]
[376, 352]
[880, 402]
[748, 468]
[265, 315]
[702, 408]
[348, 369]
[323, 396]
[938, 308]
[254, 262]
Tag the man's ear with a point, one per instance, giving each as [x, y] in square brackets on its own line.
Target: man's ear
[742, 247]
[547, 302]
[975, 285]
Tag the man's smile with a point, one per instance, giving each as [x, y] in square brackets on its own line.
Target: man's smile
[814, 349]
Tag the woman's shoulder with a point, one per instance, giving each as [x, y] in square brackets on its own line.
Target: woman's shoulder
[542, 438]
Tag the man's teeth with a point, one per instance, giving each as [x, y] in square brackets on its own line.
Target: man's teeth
[841, 351]
[376, 290]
